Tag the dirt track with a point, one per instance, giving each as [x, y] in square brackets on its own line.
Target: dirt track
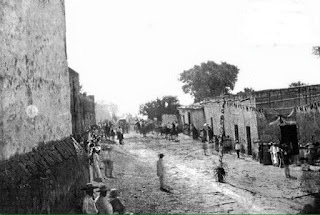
[191, 176]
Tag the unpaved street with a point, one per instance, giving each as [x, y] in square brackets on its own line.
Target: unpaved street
[250, 188]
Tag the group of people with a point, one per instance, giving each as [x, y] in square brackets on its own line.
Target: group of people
[206, 136]
[106, 202]
[93, 149]
[110, 132]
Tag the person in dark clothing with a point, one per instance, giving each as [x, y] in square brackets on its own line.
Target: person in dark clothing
[286, 155]
[210, 134]
[117, 204]
[107, 131]
[195, 134]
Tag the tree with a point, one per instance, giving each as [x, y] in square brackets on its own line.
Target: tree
[158, 107]
[297, 84]
[209, 79]
[247, 91]
[316, 50]
[102, 111]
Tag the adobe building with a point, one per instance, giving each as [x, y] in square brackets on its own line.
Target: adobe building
[240, 121]
[192, 114]
[249, 120]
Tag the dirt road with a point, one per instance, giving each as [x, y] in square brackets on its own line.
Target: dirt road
[191, 176]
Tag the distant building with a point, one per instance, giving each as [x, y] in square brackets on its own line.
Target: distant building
[169, 118]
[192, 114]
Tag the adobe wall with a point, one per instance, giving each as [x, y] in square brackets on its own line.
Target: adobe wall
[304, 100]
[34, 79]
[45, 180]
[285, 99]
[235, 114]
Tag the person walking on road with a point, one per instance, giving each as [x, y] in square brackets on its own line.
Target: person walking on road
[108, 163]
[286, 152]
[205, 145]
[120, 135]
[89, 204]
[103, 203]
[237, 148]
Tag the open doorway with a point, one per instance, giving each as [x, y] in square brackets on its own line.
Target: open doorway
[249, 146]
[289, 134]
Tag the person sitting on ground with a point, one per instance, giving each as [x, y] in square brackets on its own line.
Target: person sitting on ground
[117, 204]
[103, 203]
[89, 206]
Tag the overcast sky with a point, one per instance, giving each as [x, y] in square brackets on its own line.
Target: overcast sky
[132, 51]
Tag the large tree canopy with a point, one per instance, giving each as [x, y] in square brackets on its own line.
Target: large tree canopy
[209, 79]
[158, 107]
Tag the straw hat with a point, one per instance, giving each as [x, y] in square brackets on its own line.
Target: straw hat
[103, 188]
[89, 186]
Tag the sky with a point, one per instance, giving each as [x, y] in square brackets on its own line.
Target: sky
[129, 52]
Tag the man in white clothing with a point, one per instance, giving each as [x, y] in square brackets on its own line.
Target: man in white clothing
[103, 203]
[161, 171]
[89, 204]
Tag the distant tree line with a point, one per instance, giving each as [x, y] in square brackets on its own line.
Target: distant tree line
[156, 108]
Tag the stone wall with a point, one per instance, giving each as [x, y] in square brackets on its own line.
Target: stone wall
[46, 180]
[87, 112]
[34, 79]
[75, 103]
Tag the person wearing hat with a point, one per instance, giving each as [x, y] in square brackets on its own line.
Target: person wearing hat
[161, 172]
[89, 205]
[103, 203]
[237, 147]
[117, 204]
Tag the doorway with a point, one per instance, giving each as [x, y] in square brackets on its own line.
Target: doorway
[211, 120]
[249, 146]
[236, 132]
[289, 134]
